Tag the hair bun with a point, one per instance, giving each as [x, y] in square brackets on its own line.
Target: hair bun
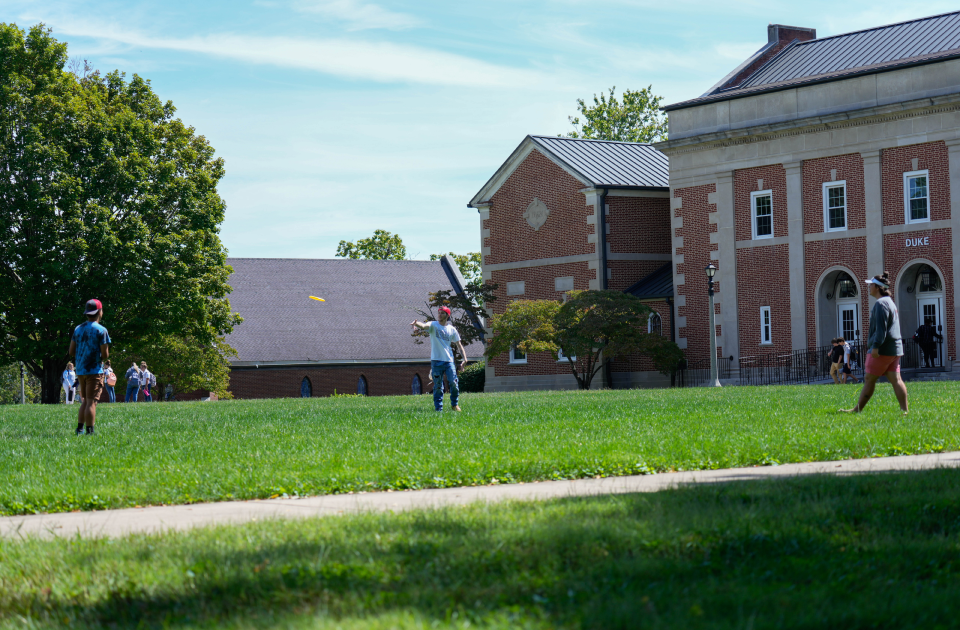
[885, 276]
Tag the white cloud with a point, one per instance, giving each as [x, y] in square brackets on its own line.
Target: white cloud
[358, 15]
[355, 59]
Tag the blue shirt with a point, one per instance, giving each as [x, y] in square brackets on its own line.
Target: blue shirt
[89, 336]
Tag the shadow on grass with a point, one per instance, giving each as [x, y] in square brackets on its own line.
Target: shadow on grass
[863, 551]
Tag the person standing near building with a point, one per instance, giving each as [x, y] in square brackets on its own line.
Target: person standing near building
[69, 382]
[442, 335]
[90, 344]
[847, 368]
[109, 380]
[835, 354]
[133, 383]
[145, 381]
[927, 338]
[885, 346]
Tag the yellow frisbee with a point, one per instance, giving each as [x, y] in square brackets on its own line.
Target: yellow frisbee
[313, 297]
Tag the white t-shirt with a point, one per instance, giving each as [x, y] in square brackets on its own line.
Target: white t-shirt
[846, 353]
[440, 339]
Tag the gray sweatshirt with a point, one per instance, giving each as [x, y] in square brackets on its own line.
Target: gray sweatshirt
[885, 328]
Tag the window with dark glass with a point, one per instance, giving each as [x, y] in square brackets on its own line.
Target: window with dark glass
[416, 387]
[655, 324]
[836, 207]
[306, 390]
[846, 287]
[362, 386]
[928, 280]
[918, 198]
[762, 216]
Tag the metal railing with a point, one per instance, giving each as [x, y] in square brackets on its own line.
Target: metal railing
[923, 356]
[798, 366]
[696, 372]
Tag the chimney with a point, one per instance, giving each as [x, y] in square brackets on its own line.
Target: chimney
[783, 35]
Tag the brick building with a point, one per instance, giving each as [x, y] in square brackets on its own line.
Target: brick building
[357, 341]
[814, 164]
[542, 235]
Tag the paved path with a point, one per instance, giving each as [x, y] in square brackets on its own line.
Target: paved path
[180, 517]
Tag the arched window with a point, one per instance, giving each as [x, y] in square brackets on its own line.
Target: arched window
[306, 390]
[362, 386]
[655, 324]
[416, 387]
[928, 280]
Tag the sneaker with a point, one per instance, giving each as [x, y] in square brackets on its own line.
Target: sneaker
[79, 432]
[89, 430]
[457, 408]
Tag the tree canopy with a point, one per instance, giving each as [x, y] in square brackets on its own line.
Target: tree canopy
[381, 246]
[636, 119]
[104, 194]
[590, 328]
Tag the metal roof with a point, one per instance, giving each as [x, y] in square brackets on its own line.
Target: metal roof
[609, 163]
[366, 317]
[861, 52]
[658, 284]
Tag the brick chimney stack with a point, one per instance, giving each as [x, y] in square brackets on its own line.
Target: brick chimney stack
[779, 36]
[783, 35]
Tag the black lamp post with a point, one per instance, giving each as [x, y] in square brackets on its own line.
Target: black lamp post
[711, 271]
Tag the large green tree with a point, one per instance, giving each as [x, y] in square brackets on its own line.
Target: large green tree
[104, 194]
[591, 328]
[182, 362]
[381, 246]
[635, 119]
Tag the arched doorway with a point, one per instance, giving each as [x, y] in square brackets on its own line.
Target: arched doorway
[920, 297]
[838, 307]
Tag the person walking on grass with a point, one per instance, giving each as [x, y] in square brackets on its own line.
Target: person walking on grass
[69, 382]
[133, 383]
[109, 380]
[442, 335]
[847, 369]
[835, 354]
[884, 346]
[90, 344]
[145, 381]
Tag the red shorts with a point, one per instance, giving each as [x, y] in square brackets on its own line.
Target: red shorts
[882, 364]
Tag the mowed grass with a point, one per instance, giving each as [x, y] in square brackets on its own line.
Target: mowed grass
[878, 551]
[147, 454]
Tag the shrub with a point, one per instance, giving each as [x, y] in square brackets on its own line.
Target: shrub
[473, 377]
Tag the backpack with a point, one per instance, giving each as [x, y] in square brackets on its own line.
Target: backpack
[854, 356]
[153, 379]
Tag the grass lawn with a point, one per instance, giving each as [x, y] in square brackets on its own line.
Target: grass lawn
[187, 452]
[878, 551]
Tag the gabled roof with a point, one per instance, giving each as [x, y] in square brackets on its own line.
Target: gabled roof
[596, 163]
[657, 285]
[365, 318]
[869, 51]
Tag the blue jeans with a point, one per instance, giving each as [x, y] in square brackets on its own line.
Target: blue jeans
[146, 395]
[111, 394]
[438, 369]
[132, 391]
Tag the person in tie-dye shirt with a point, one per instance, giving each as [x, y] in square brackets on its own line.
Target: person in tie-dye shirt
[89, 342]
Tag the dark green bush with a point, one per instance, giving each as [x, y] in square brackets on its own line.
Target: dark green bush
[473, 377]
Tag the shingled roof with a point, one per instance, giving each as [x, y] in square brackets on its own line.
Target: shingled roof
[868, 51]
[365, 318]
[596, 163]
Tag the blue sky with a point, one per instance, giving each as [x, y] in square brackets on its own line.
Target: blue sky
[338, 117]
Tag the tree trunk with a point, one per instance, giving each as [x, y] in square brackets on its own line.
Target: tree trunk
[50, 380]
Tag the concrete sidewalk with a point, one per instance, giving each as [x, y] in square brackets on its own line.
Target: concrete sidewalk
[182, 517]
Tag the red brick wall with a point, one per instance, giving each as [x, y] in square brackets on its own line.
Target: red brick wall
[895, 162]
[565, 231]
[817, 172]
[539, 284]
[763, 275]
[897, 256]
[745, 182]
[818, 256]
[696, 250]
[637, 362]
[392, 380]
[638, 225]
[626, 273]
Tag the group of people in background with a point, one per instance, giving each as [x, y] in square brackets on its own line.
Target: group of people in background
[139, 378]
[842, 361]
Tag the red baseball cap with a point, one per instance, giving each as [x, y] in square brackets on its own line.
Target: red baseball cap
[93, 307]
[444, 309]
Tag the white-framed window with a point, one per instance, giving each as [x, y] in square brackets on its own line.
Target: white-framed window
[834, 206]
[562, 357]
[766, 326]
[761, 211]
[655, 324]
[517, 357]
[916, 196]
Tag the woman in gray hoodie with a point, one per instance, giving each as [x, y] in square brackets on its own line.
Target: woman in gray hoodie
[884, 346]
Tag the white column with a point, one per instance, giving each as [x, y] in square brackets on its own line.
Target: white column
[873, 192]
[953, 150]
[798, 303]
[726, 258]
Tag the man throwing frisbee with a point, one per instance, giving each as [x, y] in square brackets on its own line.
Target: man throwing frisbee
[442, 335]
